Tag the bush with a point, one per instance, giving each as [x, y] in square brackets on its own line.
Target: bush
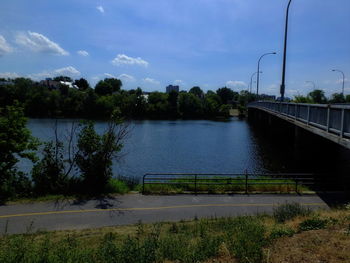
[248, 239]
[313, 224]
[116, 186]
[289, 211]
[281, 231]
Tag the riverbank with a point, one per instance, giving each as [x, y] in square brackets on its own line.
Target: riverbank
[292, 234]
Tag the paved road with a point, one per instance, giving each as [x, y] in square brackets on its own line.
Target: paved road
[129, 209]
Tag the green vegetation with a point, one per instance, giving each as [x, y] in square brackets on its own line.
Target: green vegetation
[318, 96]
[246, 239]
[80, 166]
[289, 211]
[225, 185]
[47, 99]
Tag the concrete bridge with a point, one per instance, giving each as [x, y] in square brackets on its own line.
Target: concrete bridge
[329, 121]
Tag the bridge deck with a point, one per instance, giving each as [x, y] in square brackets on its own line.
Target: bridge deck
[329, 121]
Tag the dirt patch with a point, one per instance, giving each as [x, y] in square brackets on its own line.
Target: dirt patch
[318, 246]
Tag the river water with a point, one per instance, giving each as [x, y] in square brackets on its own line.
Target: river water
[192, 146]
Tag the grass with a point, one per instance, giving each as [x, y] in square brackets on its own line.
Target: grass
[247, 239]
[226, 185]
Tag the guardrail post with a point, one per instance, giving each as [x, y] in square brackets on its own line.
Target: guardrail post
[246, 182]
[328, 117]
[195, 184]
[143, 184]
[296, 186]
[342, 123]
[308, 114]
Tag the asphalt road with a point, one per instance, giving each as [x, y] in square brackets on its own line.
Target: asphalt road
[130, 209]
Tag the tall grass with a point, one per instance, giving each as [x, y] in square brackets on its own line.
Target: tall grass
[180, 242]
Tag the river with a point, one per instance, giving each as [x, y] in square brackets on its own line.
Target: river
[193, 146]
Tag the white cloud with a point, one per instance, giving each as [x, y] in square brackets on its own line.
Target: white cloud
[123, 59]
[83, 53]
[109, 75]
[126, 77]
[179, 82]
[100, 8]
[67, 71]
[39, 43]
[4, 46]
[340, 81]
[9, 75]
[151, 81]
[236, 84]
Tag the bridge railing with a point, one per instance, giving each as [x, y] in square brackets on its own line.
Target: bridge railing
[211, 183]
[331, 118]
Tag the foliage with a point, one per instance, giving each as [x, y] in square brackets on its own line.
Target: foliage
[82, 84]
[115, 186]
[289, 211]
[48, 174]
[318, 96]
[281, 231]
[337, 98]
[313, 224]
[15, 142]
[226, 95]
[96, 153]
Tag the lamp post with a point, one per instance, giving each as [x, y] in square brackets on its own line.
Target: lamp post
[258, 72]
[283, 85]
[251, 81]
[337, 70]
[313, 83]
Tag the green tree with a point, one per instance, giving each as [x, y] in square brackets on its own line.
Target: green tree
[302, 99]
[318, 96]
[82, 84]
[15, 142]
[197, 91]
[226, 95]
[96, 153]
[108, 86]
[173, 104]
[63, 78]
[190, 106]
[347, 98]
[337, 98]
[48, 174]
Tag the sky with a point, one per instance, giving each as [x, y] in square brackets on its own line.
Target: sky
[154, 43]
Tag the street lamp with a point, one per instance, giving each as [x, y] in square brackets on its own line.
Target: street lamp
[337, 70]
[251, 81]
[313, 83]
[283, 85]
[258, 72]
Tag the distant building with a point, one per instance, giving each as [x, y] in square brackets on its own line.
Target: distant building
[171, 88]
[6, 82]
[51, 84]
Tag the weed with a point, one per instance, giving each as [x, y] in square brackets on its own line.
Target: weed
[281, 231]
[289, 211]
[313, 224]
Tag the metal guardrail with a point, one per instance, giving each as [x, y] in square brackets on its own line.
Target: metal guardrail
[244, 179]
[332, 118]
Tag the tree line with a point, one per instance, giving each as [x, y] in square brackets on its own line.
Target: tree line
[318, 96]
[39, 100]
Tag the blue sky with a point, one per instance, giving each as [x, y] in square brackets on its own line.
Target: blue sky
[153, 43]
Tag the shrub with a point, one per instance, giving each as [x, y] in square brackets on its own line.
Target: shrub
[116, 186]
[281, 231]
[313, 224]
[289, 211]
[248, 239]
